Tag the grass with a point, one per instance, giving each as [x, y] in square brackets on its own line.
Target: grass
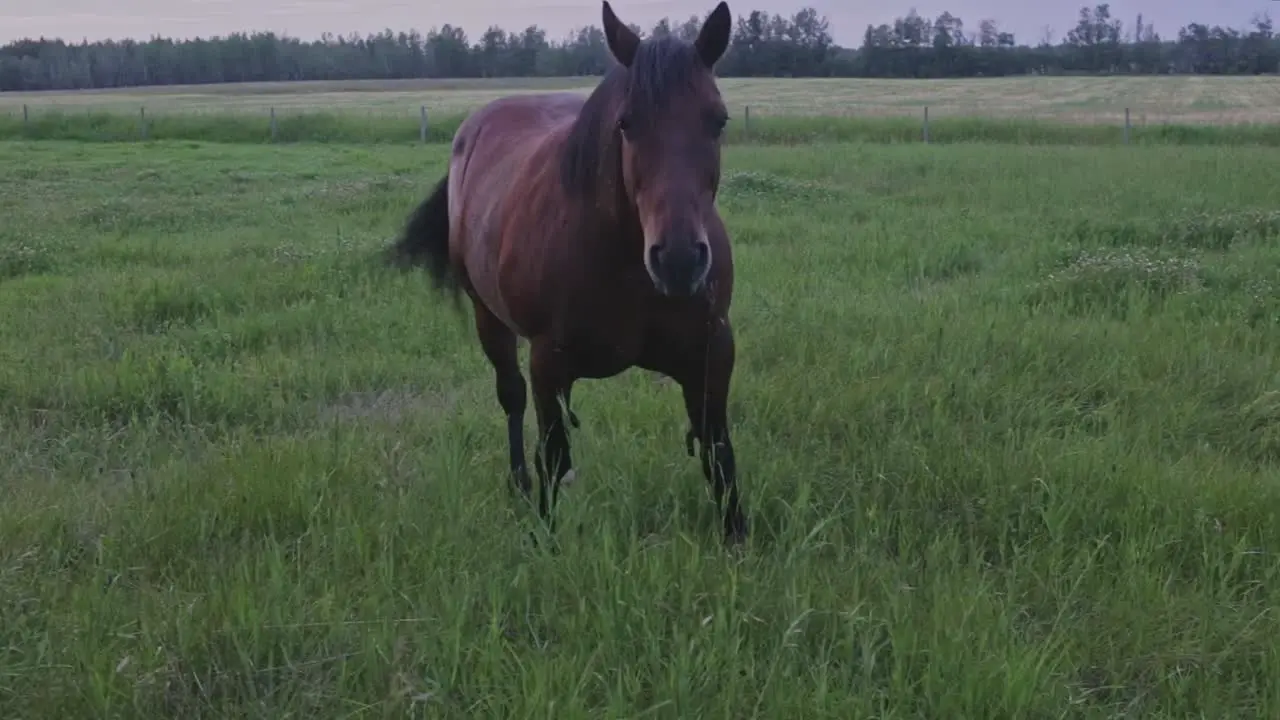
[1180, 100]
[1007, 419]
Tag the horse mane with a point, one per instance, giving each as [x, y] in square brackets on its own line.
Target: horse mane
[663, 68]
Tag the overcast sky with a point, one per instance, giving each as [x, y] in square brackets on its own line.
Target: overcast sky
[92, 19]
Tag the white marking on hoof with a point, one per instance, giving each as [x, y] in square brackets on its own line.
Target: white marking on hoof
[568, 478]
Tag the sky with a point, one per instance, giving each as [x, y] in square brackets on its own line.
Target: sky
[74, 20]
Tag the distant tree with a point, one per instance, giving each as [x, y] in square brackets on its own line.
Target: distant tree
[764, 45]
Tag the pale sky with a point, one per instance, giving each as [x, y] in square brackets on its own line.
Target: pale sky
[76, 19]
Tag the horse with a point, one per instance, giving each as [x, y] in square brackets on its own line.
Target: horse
[588, 227]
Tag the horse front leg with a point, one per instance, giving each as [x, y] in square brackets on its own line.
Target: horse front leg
[552, 382]
[705, 386]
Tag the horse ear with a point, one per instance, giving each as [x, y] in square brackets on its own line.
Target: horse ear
[622, 40]
[713, 38]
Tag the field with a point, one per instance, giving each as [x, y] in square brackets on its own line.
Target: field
[1061, 111]
[1152, 100]
[1007, 419]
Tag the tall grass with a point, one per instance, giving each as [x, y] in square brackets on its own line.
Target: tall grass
[1007, 423]
[330, 127]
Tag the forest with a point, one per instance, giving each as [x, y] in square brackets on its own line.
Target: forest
[764, 45]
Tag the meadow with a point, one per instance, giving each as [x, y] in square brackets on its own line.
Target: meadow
[1024, 110]
[1007, 420]
[1089, 100]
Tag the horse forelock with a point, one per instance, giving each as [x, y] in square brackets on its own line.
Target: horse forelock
[663, 69]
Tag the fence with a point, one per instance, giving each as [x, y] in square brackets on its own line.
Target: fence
[340, 126]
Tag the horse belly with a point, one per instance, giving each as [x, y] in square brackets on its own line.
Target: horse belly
[481, 259]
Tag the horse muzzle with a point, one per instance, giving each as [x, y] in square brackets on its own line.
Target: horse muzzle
[679, 267]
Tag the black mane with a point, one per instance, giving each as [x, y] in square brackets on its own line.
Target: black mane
[663, 68]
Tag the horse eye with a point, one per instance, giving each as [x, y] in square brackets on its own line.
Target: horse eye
[624, 123]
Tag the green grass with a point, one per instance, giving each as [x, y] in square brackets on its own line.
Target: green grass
[350, 128]
[1007, 418]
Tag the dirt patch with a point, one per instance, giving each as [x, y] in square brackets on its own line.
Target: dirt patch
[351, 188]
[387, 406]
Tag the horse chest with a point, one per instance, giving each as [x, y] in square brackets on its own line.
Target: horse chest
[601, 329]
[600, 352]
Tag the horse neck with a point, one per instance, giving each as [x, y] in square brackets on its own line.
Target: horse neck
[615, 225]
[607, 222]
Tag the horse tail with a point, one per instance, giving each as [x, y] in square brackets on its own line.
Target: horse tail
[424, 242]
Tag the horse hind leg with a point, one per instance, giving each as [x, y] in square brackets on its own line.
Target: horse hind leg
[499, 344]
[573, 417]
[568, 478]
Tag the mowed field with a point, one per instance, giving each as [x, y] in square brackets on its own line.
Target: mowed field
[1007, 422]
[1151, 100]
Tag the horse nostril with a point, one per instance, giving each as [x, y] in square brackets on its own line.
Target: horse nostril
[655, 256]
[703, 254]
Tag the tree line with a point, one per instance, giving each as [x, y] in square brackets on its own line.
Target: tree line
[763, 45]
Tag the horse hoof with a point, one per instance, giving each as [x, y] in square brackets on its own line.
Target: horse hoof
[735, 534]
[520, 484]
[550, 546]
[568, 478]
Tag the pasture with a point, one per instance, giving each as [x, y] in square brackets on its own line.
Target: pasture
[1074, 100]
[1007, 423]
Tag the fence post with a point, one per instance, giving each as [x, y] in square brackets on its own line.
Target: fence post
[142, 122]
[925, 128]
[422, 124]
[273, 123]
[1126, 126]
[746, 120]
[25, 117]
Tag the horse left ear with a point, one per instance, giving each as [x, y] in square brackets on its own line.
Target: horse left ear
[713, 38]
[621, 40]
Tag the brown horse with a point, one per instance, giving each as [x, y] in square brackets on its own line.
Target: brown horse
[589, 227]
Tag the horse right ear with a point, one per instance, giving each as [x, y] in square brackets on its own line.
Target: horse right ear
[622, 40]
[713, 38]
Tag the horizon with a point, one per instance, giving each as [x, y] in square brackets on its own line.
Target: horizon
[307, 20]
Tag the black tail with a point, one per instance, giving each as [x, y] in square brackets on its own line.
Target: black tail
[424, 242]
